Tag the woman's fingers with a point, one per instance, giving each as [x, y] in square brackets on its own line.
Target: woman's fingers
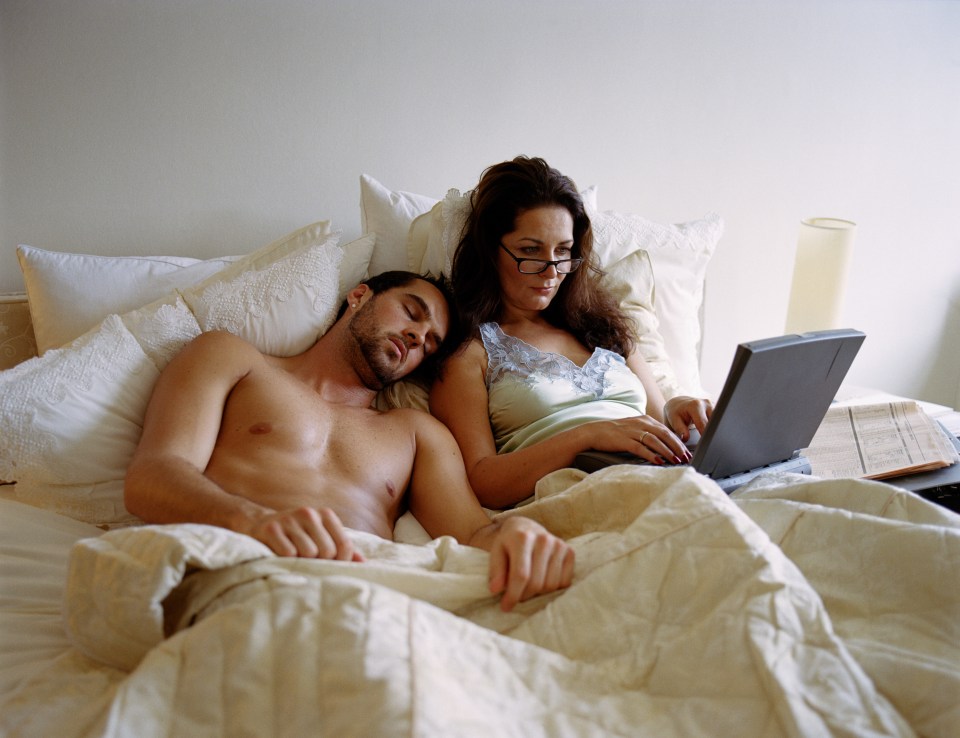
[658, 441]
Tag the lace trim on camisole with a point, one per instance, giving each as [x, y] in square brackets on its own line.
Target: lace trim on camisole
[508, 354]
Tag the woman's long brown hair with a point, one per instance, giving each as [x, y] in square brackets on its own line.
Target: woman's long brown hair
[581, 305]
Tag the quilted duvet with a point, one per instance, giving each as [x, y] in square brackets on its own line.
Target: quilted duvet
[797, 608]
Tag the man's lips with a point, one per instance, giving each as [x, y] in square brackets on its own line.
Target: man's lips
[400, 346]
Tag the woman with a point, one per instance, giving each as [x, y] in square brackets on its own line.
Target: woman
[551, 368]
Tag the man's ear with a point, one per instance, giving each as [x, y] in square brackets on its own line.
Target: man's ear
[358, 295]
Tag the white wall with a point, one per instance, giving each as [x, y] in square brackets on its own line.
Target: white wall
[201, 127]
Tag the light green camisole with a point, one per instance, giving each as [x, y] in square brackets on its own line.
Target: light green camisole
[533, 395]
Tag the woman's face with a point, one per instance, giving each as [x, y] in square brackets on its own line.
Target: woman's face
[540, 233]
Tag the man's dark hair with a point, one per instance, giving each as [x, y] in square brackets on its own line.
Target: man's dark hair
[429, 368]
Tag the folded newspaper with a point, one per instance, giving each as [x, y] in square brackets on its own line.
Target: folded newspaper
[878, 441]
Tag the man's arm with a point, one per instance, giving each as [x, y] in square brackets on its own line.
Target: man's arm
[165, 482]
[525, 558]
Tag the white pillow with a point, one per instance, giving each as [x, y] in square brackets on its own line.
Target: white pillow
[73, 415]
[388, 214]
[281, 299]
[71, 419]
[355, 267]
[164, 326]
[680, 254]
[71, 293]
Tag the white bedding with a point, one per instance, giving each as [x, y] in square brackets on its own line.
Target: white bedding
[798, 608]
[34, 547]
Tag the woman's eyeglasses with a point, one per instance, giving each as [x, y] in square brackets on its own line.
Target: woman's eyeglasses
[535, 266]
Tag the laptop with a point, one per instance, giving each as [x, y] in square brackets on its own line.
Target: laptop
[773, 401]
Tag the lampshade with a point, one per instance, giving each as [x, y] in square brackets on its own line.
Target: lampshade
[820, 274]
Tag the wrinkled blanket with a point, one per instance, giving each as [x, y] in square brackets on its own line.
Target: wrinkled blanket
[796, 608]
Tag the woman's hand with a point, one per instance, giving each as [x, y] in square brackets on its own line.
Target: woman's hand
[681, 412]
[639, 435]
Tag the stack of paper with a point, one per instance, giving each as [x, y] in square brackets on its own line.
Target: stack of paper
[878, 441]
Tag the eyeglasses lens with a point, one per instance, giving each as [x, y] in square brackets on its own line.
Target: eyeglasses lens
[535, 266]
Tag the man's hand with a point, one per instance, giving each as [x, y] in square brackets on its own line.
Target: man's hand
[527, 560]
[307, 532]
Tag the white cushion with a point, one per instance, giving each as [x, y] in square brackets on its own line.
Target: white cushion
[71, 293]
[71, 419]
[680, 254]
[281, 299]
[355, 266]
[74, 414]
[388, 214]
[435, 235]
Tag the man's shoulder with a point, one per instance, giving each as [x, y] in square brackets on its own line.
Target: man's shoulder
[220, 349]
[405, 414]
[413, 418]
[223, 341]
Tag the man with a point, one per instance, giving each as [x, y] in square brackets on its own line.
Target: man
[290, 452]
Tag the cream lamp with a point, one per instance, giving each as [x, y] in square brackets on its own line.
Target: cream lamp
[820, 274]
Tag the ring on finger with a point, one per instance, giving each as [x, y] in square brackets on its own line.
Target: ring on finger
[644, 436]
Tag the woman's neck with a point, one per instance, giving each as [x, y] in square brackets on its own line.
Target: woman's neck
[524, 320]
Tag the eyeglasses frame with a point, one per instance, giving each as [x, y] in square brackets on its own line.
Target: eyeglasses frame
[545, 263]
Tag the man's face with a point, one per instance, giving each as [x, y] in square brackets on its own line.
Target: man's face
[396, 329]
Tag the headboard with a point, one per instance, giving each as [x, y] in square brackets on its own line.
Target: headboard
[17, 342]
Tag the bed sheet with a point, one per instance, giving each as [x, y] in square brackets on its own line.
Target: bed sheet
[798, 608]
[34, 547]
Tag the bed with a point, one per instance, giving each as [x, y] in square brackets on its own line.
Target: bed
[795, 607]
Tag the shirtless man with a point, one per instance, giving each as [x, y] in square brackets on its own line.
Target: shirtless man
[289, 451]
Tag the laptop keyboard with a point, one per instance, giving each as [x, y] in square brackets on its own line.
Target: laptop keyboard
[947, 495]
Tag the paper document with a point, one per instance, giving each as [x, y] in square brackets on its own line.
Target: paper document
[878, 441]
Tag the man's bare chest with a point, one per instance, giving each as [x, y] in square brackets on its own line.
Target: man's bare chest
[271, 410]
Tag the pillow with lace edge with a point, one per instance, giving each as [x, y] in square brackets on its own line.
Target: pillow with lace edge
[74, 415]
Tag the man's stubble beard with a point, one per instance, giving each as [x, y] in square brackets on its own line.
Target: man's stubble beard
[380, 368]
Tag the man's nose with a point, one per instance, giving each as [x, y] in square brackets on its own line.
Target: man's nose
[415, 335]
